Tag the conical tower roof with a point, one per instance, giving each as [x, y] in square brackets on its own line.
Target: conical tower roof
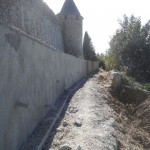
[70, 8]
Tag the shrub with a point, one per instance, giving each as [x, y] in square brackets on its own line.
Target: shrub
[146, 86]
[130, 81]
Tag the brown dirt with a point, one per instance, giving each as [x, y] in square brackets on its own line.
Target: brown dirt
[135, 121]
[142, 115]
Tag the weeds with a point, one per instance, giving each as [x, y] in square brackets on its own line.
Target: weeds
[146, 86]
[130, 81]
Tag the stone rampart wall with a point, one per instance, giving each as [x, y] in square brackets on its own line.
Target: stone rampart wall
[35, 18]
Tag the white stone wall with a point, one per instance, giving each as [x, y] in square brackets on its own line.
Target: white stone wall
[35, 18]
[72, 33]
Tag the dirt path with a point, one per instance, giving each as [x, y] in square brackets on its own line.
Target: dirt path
[93, 119]
[88, 123]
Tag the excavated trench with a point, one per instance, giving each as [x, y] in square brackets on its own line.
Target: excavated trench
[87, 122]
[88, 117]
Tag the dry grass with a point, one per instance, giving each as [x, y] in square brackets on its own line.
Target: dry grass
[135, 120]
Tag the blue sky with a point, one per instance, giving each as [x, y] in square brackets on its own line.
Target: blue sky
[101, 17]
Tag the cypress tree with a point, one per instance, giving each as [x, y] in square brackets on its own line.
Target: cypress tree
[88, 48]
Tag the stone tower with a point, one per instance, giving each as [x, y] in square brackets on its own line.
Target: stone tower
[71, 22]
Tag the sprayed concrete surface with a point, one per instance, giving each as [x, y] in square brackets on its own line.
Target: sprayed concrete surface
[32, 77]
[87, 124]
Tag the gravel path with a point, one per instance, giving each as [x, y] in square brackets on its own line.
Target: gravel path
[87, 123]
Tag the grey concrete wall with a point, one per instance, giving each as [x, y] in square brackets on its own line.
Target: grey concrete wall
[72, 34]
[32, 75]
[92, 66]
[35, 18]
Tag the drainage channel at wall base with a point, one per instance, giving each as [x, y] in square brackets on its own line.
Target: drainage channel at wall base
[37, 139]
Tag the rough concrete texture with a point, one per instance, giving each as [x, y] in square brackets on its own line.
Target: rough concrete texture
[35, 18]
[92, 127]
[32, 76]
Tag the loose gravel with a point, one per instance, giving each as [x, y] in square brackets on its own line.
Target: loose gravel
[87, 122]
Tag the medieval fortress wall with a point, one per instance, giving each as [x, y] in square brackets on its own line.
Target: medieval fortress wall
[35, 18]
[72, 31]
[33, 73]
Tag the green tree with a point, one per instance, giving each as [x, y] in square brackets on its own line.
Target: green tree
[88, 48]
[131, 47]
[110, 60]
[101, 59]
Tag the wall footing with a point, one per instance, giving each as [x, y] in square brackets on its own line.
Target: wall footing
[37, 139]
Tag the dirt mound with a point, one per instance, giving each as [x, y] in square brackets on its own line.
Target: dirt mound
[134, 118]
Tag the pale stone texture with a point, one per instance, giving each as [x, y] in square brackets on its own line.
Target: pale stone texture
[116, 80]
[72, 33]
[64, 32]
[35, 18]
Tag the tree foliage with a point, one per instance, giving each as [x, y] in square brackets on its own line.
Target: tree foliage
[130, 47]
[101, 60]
[88, 48]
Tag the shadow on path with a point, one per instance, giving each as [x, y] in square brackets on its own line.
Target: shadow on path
[43, 135]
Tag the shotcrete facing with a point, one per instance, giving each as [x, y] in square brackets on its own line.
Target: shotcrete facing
[32, 76]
